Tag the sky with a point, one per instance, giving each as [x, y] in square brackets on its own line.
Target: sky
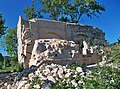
[108, 21]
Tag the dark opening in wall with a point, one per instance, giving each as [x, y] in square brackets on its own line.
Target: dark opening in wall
[71, 53]
[56, 55]
[29, 44]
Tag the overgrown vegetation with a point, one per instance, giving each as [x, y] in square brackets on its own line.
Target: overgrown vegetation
[114, 54]
[9, 42]
[10, 65]
[35, 81]
[103, 77]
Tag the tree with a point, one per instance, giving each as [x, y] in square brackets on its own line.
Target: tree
[2, 27]
[118, 40]
[67, 10]
[55, 8]
[71, 10]
[32, 12]
[1, 58]
[10, 41]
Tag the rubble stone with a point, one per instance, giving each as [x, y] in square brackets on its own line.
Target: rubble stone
[79, 69]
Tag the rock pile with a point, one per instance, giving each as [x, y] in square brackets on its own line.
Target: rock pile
[53, 73]
[47, 75]
[7, 80]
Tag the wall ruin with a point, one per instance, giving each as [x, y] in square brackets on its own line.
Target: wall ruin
[34, 29]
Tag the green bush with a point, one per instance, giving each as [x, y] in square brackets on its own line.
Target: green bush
[11, 66]
[103, 78]
[35, 80]
[74, 66]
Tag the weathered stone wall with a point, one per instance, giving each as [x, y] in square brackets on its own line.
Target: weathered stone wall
[60, 52]
[34, 29]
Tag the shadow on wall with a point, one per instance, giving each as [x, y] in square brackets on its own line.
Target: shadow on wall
[53, 35]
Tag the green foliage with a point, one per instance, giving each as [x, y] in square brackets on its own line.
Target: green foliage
[105, 77]
[1, 58]
[31, 12]
[35, 80]
[15, 66]
[102, 78]
[54, 8]
[10, 41]
[71, 10]
[2, 27]
[11, 65]
[58, 86]
[74, 66]
[64, 10]
[114, 55]
[69, 85]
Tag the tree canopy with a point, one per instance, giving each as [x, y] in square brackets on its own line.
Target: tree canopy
[65, 10]
[32, 12]
[2, 27]
[10, 41]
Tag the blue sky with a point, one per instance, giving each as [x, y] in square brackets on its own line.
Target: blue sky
[108, 21]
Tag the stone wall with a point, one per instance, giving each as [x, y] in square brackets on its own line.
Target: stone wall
[61, 52]
[35, 29]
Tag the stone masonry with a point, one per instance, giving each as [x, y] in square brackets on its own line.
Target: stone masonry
[35, 29]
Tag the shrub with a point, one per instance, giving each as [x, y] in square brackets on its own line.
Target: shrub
[11, 66]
